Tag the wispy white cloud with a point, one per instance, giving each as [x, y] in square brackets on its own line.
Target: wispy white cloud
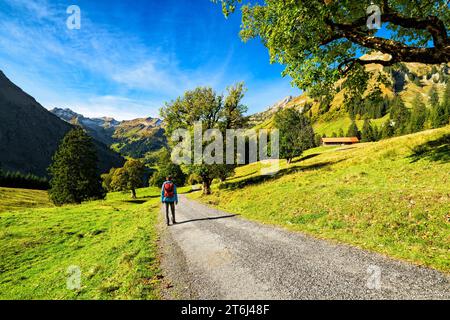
[121, 108]
[114, 57]
[102, 71]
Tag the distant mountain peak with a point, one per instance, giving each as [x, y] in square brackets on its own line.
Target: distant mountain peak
[66, 114]
[130, 137]
[30, 134]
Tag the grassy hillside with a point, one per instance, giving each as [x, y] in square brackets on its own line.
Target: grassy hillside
[410, 80]
[136, 138]
[113, 242]
[333, 126]
[17, 199]
[391, 196]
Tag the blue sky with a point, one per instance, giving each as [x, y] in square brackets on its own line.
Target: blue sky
[129, 57]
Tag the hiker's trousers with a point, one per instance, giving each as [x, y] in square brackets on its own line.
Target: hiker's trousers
[172, 208]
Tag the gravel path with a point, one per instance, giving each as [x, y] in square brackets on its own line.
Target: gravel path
[211, 254]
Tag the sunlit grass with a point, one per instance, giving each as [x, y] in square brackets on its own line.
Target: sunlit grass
[373, 195]
[113, 242]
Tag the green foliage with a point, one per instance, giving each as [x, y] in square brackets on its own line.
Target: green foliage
[215, 112]
[374, 106]
[296, 133]
[107, 179]
[166, 168]
[440, 112]
[417, 81]
[321, 42]
[434, 96]
[74, 175]
[435, 113]
[446, 105]
[369, 133]
[387, 131]
[418, 115]
[353, 131]
[399, 116]
[194, 179]
[23, 181]
[318, 140]
[129, 177]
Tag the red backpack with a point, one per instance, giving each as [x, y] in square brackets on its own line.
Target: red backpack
[169, 190]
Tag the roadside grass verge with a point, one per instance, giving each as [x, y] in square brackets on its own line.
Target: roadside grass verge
[112, 242]
[391, 197]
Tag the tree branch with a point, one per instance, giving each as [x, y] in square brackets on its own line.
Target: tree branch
[432, 24]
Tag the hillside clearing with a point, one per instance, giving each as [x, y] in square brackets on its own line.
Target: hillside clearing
[112, 242]
[391, 196]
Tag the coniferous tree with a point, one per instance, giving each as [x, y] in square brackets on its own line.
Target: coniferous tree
[376, 133]
[368, 134]
[445, 114]
[74, 175]
[341, 133]
[353, 131]
[418, 115]
[435, 107]
[399, 116]
[387, 131]
[317, 140]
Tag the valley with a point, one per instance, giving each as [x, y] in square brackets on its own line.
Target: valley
[225, 150]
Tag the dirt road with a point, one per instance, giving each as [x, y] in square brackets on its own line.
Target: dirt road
[214, 255]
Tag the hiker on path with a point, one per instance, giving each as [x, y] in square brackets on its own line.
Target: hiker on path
[169, 196]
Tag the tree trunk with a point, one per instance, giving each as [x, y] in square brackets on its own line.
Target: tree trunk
[206, 186]
[289, 160]
[133, 193]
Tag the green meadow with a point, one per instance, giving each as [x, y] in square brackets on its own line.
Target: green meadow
[391, 197]
[112, 242]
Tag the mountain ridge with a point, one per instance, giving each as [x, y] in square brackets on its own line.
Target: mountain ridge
[406, 81]
[134, 138]
[30, 134]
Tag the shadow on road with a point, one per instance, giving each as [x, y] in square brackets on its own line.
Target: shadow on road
[209, 218]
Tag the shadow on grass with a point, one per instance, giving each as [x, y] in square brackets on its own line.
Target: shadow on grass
[260, 179]
[309, 156]
[141, 200]
[137, 201]
[245, 175]
[209, 218]
[435, 150]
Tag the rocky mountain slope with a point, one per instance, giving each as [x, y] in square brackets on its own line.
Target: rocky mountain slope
[407, 81]
[101, 129]
[132, 138]
[29, 134]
